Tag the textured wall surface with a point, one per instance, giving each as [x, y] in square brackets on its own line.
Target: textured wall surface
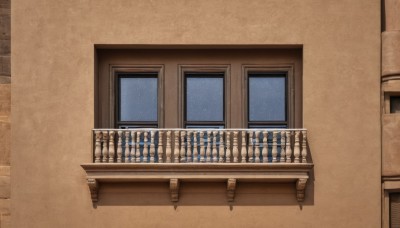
[390, 87]
[390, 143]
[53, 108]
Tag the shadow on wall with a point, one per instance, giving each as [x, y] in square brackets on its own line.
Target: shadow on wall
[202, 193]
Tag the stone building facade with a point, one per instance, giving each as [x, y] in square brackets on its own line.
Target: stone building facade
[336, 151]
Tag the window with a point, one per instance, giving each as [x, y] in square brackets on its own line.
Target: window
[391, 102]
[394, 209]
[267, 100]
[131, 96]
[137, 100]
[204, 100]
[270, 92]
[394, 104]
[196, 88]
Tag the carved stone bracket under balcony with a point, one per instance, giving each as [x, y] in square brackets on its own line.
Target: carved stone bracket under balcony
[175, 173]
[231, 188]
[93, 187]
[174, 189]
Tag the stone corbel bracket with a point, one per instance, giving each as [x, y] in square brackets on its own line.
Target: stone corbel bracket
[301, 189]
[93, 187]
[174, 189]
[231, 188]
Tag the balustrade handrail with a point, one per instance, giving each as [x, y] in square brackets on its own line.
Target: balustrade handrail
[176, 145]
[199, 129]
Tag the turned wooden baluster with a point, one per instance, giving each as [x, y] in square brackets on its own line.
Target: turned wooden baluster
[304, 147]
[243, 151]
[296, 151]
[111, 149]
[104, 152]
[264, 151]
[97, 149]
[160, 152]
[214, 147]
[228, 147]
[251, 159]
[176, 147]
[221, 147]
[137, 152]
[235, 150]
[182, 152]
[257, 147]
[208, 151]
[283, 146]
[189, 146]
[274, 146]
[168, 148]
[152, 147]
[145, 147]
[288, 147]
[119, 147]
[202, 153]
[131, 152]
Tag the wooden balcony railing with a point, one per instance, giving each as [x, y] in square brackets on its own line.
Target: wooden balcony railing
[176, 155]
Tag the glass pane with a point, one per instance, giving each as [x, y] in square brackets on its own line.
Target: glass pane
[138, 99]
[395, 104]
[267, 98]
[204, 99]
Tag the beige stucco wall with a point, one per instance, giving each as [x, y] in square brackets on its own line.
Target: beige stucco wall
[53, 105]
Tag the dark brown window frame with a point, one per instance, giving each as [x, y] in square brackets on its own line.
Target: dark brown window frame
[290, 92]
[190, 69]
[115, 70]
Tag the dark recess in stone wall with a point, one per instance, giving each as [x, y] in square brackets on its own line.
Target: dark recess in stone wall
[5, 41]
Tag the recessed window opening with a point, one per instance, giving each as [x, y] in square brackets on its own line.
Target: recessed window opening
[394, 104]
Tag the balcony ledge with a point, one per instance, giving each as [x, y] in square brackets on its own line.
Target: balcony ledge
[174, 173]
